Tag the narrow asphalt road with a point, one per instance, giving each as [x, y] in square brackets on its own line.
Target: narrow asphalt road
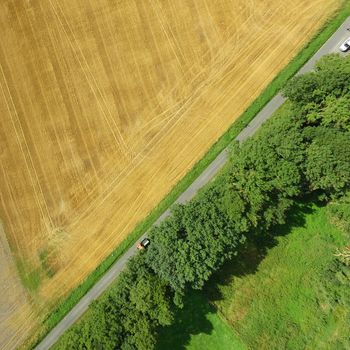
[330, 46]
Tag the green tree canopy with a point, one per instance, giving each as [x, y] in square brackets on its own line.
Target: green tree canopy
[336, 112]
[328, 160]
[194, 242]
[309, 92]
[267, 171]
[128, 315]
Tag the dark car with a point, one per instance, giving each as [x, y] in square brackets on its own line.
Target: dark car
[144, 244]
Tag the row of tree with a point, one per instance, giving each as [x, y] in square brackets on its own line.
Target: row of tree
[306, 149]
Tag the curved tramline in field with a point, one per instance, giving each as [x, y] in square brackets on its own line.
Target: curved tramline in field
[105, 106]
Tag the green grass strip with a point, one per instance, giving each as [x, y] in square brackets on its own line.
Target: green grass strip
[271, 90]
[298, 297]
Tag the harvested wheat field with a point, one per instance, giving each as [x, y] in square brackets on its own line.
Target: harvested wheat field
[104, 106]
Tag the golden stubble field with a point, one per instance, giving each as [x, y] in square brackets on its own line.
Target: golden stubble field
[104, 106]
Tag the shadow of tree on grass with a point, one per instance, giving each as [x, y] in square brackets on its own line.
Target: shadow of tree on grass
[258, 245]
[192, 318]
[188, 321]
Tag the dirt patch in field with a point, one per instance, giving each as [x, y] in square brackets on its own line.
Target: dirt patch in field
[15, 313]
[106, 105]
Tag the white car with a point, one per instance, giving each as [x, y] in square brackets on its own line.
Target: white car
[345, 45]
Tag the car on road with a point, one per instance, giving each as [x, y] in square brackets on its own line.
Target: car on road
[345, 45]
[144, 243]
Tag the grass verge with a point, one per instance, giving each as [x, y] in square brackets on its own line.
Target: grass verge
[319, 39]
[297, 297]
